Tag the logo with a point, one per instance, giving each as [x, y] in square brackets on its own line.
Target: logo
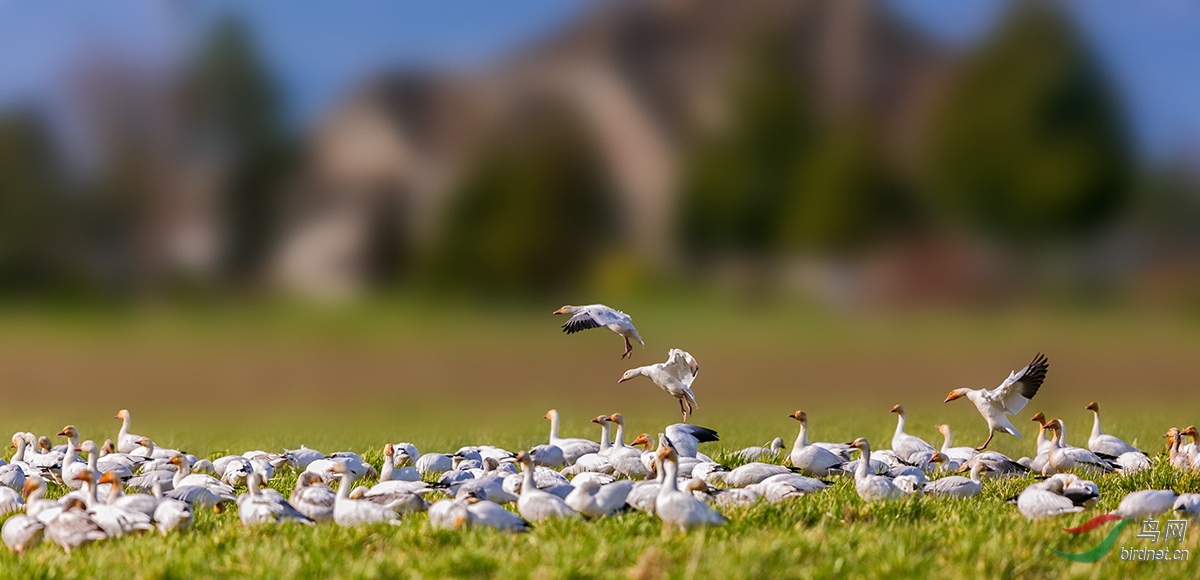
[1175, 529]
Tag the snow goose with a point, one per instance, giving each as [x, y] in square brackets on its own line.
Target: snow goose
[535, 504]
[355, 512]
[752, 473]
[73, 527]
[903, 444]
[597, 462]
[686, 439]
[998, 465]
[184, 477]
[434, 464]
[1187, 503]
[489, 514]
[22, 532]
[300, 458]
[1178, 459]
[1080, 491]
[619, 448]
[959, 454]
[1007, 399]
[755, 453]
[1193, 450]
[71, 464]
[401, 497]
[12, 476]
[313, 498]
[171, 514]
[1045, 499]
[957, 486]
[800, 483]
[547, 455]
[594, 500]
[597, 315]
[10, 501]
[138, 502]
[390, 471]
[116, 521]
[1146, 503]
[1100, 442]
[126, 441]
[871, 487]
[677, 507]
[196, 489]
[674, 376]
[35, 503]
[572, 447]
[255, 507]
[811, 459]
[1066, 458]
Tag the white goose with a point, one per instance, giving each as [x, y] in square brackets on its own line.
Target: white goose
[256, 507]
[1100, 442]
[73, 527]
[758, 452]
[903, 444]
[871, 487]
[1045, 499]
[22, 532]
[959, 454]
[674, 376]
[126, 441]
[535, 504]
[594, 500]
[1007, 399]
[393, 471]
[597, 315]
[572, 447]
[313, 498]
[957, 486]
[619, 448]
[1146, 503]
[675, 507]
[811, 459]
[1066, 458]
[114, 519]
[355, 512]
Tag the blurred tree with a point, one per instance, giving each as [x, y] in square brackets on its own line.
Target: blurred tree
[735, 183]
[844, 196]
[1029, 145]
[234, 112]
[32, 210]
[532, 215]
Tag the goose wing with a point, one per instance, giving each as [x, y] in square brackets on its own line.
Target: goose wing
[1015, 392]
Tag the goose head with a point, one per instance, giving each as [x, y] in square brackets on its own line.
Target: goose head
[33, 482]
[898, 409]
[307, 478]
[1191, 432]
[107, 447]
[601, 420]
[84, 475]
[1039, 417]
[89, 447]
[524, 459]
[666, 451]
[42, 442]
[389, 451]
[956, 394]
[617, 418]
[859, 444]
[552, 414]
[123, 415]
[109, 477]
[643, 440]
[629, 374]
[1093, 406]
[567, 309]
[69, 431]
[177, 460]
[800, 416]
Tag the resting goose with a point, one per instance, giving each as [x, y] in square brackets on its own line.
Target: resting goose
[959, 454]
[1100, 442]
[313, 498]
[597, 315]
[903, 444]
[755, 453]
[171, 515]
[1066, 458]
[1146, 504]
[871, 487]
[255, 507]
[393, 471]
[73, 527]
[355, 512]
[1007, 399]
[138, 502]
[22, 532]
[572, 447]
[126, 441]
[1045, 499]
[674, 376]
[594, 500]
[676, 507]
[811, 459]
[535, 504]
[957, 486]
[116, 521]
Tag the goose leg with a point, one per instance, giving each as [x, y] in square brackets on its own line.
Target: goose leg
[683, 410]
[628, 348]
[991, 433]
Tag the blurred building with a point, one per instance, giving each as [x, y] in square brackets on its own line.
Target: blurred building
[646, 79]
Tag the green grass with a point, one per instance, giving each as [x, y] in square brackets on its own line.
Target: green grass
[831, 534]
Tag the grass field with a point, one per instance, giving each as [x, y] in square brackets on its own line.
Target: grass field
[356, 380]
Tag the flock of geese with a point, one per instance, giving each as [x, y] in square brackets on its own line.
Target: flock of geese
[131, 485]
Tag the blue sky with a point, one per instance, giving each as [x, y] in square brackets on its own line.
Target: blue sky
[319, 50]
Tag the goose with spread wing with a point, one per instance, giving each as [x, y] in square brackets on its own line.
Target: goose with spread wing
[1007, 399]
[674, 376]
[597, 315]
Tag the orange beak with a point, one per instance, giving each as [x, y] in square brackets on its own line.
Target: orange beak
[559, 311]
[1091, 406]
[895, 409]
[622, 379]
